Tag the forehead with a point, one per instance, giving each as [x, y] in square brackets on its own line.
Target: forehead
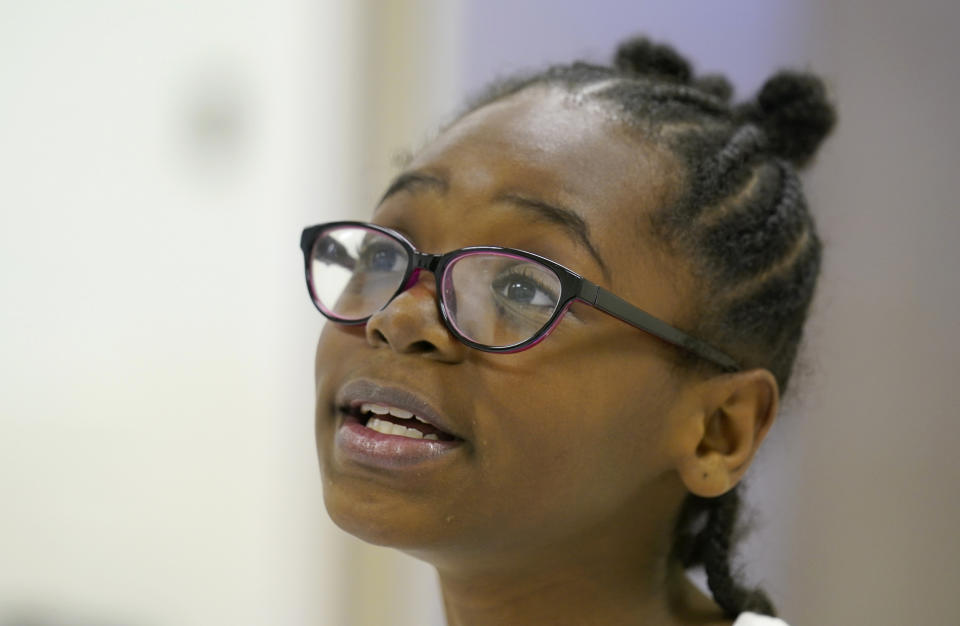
[550, 145]
[548, 141]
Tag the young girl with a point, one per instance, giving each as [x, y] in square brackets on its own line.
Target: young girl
[563, 336]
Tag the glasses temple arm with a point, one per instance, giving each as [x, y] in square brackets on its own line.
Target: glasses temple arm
[623, 310]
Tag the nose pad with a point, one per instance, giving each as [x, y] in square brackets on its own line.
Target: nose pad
[411, 324]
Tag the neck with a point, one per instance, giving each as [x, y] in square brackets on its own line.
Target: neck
[582, 594]
[610, 574]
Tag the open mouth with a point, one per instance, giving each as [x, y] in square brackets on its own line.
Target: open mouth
[390, 420]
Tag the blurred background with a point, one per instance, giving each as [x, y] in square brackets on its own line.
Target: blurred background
[158, 159]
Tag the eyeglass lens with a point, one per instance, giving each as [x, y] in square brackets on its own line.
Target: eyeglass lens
[496, 299]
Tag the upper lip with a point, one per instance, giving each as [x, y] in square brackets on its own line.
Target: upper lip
[355, 392]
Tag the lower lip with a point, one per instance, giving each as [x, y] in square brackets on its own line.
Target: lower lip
[370, 447]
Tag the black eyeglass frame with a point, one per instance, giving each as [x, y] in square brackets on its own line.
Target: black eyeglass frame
[572, 287]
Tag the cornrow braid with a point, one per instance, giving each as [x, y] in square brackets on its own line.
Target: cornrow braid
[741, 223]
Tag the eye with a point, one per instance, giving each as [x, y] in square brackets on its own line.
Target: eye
[329, 250]
[383, 257]
[521, 286]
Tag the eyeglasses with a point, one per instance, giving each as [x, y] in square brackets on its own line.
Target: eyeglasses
[491, 298]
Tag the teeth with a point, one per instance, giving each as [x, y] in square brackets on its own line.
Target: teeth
[380, 409]
[389, 428]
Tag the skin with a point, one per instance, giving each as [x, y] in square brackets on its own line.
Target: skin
[558, 507]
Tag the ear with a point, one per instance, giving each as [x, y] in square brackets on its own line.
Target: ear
[721, 423]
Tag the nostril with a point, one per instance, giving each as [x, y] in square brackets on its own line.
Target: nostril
[422, 346]
[379, 337]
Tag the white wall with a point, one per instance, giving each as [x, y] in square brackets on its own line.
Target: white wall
[157, 160]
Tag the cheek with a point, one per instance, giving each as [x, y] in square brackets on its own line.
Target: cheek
[335, 341]
[568, 444]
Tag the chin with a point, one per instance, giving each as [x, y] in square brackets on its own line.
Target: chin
[357, 520]
[381, 517]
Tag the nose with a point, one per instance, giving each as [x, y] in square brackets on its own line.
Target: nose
[411, 324]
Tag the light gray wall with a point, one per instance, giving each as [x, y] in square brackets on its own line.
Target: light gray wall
[856, 494]
[876, 504]
[743, 39]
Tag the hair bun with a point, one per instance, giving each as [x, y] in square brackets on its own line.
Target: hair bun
[641, 56]
[793, 110]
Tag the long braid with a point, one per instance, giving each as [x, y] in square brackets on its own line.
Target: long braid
[711, 547]
[742, 222]
[732, 597]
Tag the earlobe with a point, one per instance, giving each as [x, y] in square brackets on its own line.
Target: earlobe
[728, 417]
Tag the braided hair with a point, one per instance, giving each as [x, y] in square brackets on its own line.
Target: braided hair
[741, 222]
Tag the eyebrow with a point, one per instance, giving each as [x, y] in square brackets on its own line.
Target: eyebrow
[571, 222]
[414, 181]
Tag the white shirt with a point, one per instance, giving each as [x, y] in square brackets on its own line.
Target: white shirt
[752, 619]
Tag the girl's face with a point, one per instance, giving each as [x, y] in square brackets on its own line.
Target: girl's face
[552, 441]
